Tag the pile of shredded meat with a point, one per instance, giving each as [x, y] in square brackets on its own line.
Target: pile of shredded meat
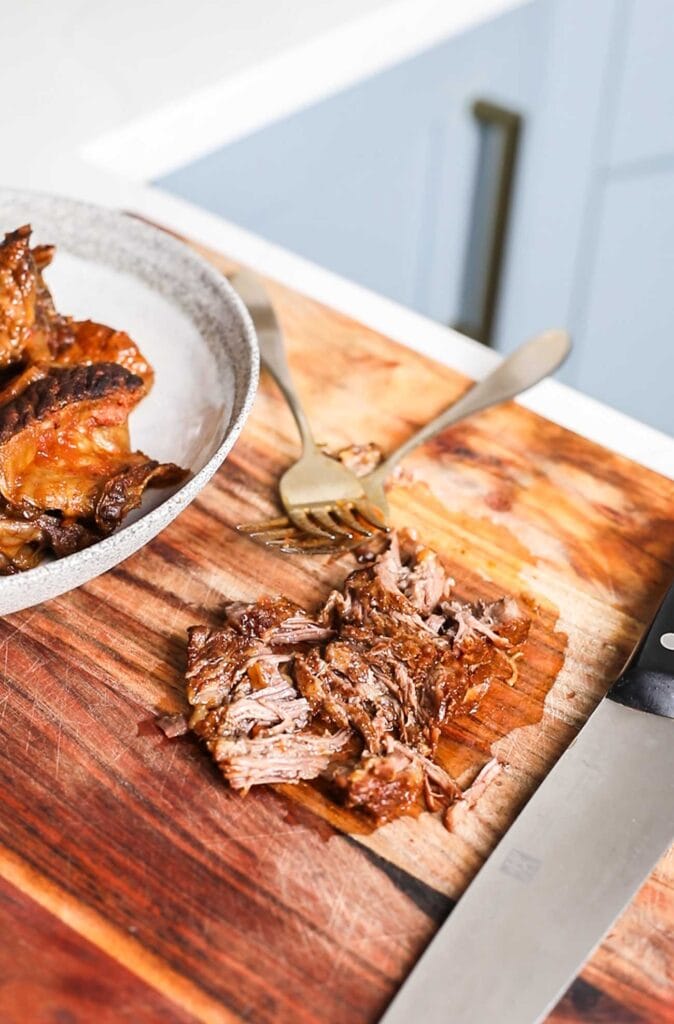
[68, 475]
[356, 695]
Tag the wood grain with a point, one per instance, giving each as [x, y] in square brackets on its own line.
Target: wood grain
[282, 907]
[51, 975]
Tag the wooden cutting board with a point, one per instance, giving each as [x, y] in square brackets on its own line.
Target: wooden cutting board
[136, 887]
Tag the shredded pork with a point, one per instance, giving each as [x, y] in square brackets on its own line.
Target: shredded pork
[359, 693]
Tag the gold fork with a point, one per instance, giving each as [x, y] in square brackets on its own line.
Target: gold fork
[323, 498]
[526, 366]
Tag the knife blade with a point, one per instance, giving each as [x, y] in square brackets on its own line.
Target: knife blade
[568, 865]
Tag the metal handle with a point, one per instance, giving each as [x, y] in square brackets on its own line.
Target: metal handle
[526, 366]
[272, 348]
[499, 141]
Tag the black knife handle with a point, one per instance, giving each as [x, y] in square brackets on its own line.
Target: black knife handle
[647, 684]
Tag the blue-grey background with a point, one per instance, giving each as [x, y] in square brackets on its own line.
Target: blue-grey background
[376, 183]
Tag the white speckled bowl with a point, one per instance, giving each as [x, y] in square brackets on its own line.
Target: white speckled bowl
[190, 324]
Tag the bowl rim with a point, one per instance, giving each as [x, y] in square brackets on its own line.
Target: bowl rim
[147, 526]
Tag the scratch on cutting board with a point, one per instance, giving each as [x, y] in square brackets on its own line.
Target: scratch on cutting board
[40, 661]
[167, 769]
[57, 758]
[18, 629]
[114, 758]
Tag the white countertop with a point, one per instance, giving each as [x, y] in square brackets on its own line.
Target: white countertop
[102, 96]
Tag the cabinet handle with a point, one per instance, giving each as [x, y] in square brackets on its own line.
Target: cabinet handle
[492, 197]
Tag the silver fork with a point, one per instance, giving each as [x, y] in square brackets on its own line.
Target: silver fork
[530, 363]
[322, 497]
[527, 365]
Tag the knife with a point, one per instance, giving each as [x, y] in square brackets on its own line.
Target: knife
[569, 864]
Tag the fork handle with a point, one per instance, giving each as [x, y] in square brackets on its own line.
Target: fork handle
[526, 366]
[273, 359]
[272, 349]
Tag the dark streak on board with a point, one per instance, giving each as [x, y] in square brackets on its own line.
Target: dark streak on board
[435, 905]
[48, 973]
[588, 1003]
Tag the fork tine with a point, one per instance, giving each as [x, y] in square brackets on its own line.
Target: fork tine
[312, 536]
[281, 531]
[299, 545]
[263, 527]
[372, 515]
[300, 518]
[273, 542]
[345, 515]
[269, 536]
[323, 517]
[270, 524]
[307, 549]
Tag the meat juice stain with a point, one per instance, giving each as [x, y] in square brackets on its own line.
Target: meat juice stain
[468, 739]
[296, 815]
[313, 803]
[147, 727]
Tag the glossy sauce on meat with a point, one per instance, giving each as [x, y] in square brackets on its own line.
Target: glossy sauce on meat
[357, 694]
[68, 475]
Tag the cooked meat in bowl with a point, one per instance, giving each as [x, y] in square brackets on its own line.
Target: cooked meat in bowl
[68, 474]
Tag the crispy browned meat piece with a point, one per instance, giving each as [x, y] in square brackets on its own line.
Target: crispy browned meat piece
[54, 333]
[18, 293]
[34, 336]
[383, 785]
[15, 381]
[42, 254]
[30, 328]
[358, 695]
[25, 539]
[96, 343]
[80, 343]
[64, 446]
[67, 472]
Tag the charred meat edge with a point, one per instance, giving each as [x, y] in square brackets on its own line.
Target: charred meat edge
[64, 387]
